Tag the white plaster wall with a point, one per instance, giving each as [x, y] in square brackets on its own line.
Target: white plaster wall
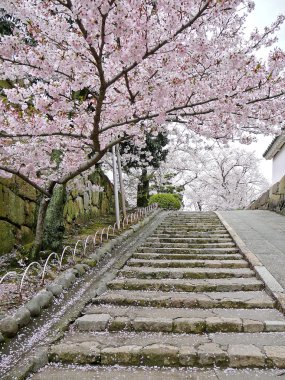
[278, 165]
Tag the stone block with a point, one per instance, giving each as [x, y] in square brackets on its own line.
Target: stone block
[252, 326]
[22, 316]
[119, 324]
[16, 205]
[92, 322]
[187, 356]
[43, 298]
[55, 289]
[214, 324]
[275, 326]
[7, 236]
[243, 355]
[264, 198]
[275, 356]
[25, 190]
[86, 201]
[79, 206]
[211, 354]
[34, 307]
[80, 353]
[124, 355]
[274, 189]
[25, 235]
[152, 324]
[274, 200]
[9, 326]
[160, 355]
[281, 187]
[30, 214]
[189, 325]
[95, 198]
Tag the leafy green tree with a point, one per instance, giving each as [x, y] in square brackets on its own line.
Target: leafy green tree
[150, 155]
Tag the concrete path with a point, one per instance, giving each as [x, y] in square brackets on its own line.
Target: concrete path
[186, 298]
[264, 234]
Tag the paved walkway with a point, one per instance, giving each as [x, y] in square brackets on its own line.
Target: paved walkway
[264, 234]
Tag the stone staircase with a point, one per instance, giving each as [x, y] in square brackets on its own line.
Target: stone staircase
[186, 298]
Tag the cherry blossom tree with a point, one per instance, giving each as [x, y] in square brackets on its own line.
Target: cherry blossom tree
[214, 177]
[88, 74]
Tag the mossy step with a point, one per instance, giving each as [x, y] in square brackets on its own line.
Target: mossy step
[155, 263]
[178, 285]
[186, 256]
[145, 272]
[188, 250]
[139, 349]
[55, 372]
[178, 325]
[246, 300]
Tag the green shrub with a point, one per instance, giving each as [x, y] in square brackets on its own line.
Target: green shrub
[165, 200]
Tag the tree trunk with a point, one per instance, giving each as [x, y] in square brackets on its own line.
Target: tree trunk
[143, 189]
[40, 226]
[54, 220]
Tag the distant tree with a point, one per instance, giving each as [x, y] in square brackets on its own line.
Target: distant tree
[214, 177]
[148, 156]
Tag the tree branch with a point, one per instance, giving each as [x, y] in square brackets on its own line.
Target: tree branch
[75, 136]
[26, 179]
[160, 45]
[94, 160]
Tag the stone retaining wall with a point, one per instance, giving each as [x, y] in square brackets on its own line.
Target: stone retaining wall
[87, 203]
[18, 210]
[273, 199]
[19, 205]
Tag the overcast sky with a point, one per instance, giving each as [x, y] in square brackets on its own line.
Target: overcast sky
[264, 14]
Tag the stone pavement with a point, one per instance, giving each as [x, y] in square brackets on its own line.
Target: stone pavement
[187, 298]
[263, 232]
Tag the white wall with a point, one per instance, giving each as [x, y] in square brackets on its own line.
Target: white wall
[278, 165]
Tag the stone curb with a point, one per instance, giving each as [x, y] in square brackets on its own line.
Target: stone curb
[10, 325]
[272, 286]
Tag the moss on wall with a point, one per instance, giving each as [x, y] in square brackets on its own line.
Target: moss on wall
[19, 206]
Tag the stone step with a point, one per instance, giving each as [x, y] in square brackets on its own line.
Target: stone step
[129, 272]
[248, 299]
[186, 256]
[188, 250]
[258, 350]
[179, 235]
[179, 325]
[183, 227]
[191, 220]
[188, 240]
[191, 227]
[178, 285]
[188, 245]
[188, 263]
[54, 372]
[132, 312]
[195, 227]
